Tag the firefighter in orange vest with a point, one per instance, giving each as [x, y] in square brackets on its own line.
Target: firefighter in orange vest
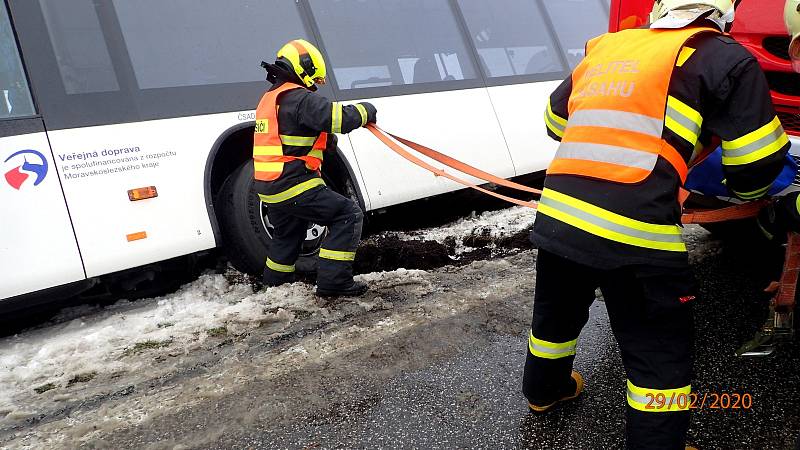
[294, 127]
[630, 118]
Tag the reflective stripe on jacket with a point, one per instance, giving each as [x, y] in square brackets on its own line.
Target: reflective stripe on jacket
[268, 155]
[620, 105]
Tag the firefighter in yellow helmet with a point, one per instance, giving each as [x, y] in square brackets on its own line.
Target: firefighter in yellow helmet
[294, 128]
[629, 118]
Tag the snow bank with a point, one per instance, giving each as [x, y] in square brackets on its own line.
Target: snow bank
[107, 340]
[495, 224]
[94, 341]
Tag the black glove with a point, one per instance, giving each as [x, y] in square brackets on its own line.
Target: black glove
[779, 217]
[771, 227]
[333, 142]
[372, 113]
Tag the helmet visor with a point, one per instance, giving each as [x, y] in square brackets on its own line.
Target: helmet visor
[794, 53]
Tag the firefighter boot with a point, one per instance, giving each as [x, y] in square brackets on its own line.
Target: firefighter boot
[569, 396]
[357, 289]
[273, 278]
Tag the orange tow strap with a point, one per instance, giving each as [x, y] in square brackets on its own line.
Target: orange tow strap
[736, 212]
[785, 290]
[441, 173]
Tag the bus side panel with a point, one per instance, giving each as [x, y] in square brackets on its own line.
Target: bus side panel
[346, 147]
[37, 245]
[520, 109]
[99, 165]
[461, 124]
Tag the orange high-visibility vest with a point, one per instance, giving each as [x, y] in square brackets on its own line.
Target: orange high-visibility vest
[618, 105]
[268, 154]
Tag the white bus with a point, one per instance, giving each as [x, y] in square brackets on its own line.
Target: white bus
[107, 102]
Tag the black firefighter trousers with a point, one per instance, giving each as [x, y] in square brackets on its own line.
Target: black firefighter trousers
[291, 218]
[650, 310]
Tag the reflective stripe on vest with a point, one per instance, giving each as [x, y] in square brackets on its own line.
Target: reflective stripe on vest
[618, 108]
[268, 154]
[610, 225]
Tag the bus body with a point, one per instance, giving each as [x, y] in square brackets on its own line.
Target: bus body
[99, 98]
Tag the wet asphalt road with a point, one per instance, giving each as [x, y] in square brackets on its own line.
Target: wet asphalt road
[449, 377]
[472, 399]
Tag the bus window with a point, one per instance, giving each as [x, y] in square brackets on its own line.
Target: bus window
[15, 97]
[201, 42]
[79, 46]
[575, 22]
[511, 37]
[392, 42]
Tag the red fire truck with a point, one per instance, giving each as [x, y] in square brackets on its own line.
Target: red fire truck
[759, 27]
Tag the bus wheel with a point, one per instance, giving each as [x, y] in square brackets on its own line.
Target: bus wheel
[246, 229]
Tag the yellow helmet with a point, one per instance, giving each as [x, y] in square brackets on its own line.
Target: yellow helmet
[306, 60]
[791, 15]
[680, 13]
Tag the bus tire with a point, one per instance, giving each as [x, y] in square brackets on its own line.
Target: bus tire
[244, 231]
[244, 240]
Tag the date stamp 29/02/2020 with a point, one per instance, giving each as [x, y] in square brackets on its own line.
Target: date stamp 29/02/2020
[708, 400]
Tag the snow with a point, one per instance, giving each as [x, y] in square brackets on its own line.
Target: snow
[98, 342]
[103, 340]
[495, 224]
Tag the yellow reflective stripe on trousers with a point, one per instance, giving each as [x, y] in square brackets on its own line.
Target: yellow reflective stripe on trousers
[336, 117]
[551, 350]
[298, 141]
[337, 255]
[292, 192]
[650, 400]
[363, 111]
[754, 146]
[609, 225]
[283, 268]
[554, 123]
[683, 120]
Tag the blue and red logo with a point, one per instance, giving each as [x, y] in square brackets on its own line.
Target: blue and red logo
[25, 163]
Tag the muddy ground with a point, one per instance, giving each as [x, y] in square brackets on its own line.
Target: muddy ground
[429, 358]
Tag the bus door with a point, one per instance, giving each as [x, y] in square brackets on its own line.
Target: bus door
[38, 249]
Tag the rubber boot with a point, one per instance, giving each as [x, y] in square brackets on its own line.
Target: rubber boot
[356, 289]
[569, 396]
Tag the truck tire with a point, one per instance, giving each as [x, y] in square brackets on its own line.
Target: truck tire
[245, 228]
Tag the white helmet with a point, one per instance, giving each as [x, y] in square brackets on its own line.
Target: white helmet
[791, 15]
[680, 13]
